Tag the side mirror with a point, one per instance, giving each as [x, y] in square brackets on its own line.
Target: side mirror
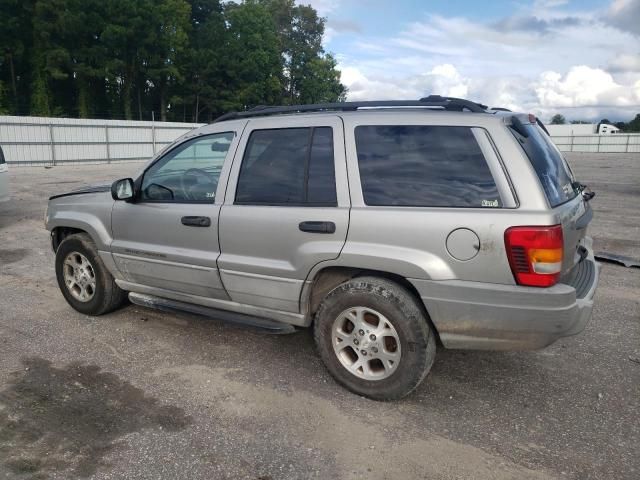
[122, 189]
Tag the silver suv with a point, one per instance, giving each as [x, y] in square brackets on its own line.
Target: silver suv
[390, 227]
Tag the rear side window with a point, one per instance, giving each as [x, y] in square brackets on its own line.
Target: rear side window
[288, 166]
[1, 156]
[550, 166]
[423, 166]
[321, 177]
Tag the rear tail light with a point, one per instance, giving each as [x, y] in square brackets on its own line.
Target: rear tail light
[535, 254]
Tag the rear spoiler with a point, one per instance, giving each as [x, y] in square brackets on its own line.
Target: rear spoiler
[542, 126]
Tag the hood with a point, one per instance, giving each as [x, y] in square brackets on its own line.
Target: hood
[95, 188]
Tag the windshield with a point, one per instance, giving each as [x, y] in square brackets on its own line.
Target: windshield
[551, 167]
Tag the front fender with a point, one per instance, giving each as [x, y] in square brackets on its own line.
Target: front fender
[90, 213]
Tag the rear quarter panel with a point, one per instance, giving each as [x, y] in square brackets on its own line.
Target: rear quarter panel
[411, 241]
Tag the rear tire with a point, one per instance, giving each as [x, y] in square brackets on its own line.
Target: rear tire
[84, 281]
[391, 346]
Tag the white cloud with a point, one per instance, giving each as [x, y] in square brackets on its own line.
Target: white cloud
[625, 63]
[544, 4]
[584, 86]
[445, 78]
[540, 60]
[442, 79]
[522, 42]
[625, 14]
[583, 92]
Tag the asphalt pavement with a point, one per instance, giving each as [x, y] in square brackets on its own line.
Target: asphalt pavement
[142, 394]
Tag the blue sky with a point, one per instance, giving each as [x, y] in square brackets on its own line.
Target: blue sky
[578, 58]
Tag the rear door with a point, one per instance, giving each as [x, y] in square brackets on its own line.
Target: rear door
[560, 188]
[286, 208]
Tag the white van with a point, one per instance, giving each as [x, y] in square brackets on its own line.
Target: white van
[4, 178]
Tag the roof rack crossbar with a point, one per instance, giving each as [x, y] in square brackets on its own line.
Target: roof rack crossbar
[446, 103]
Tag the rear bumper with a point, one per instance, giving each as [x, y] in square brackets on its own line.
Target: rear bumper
[473, 315]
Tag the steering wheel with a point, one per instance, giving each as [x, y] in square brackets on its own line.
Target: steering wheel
[187, 190]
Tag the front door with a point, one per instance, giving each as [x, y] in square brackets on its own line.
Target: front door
[168, 237]
[284, 212]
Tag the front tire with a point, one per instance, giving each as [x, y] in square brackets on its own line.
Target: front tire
[375, 338]
[84, 281]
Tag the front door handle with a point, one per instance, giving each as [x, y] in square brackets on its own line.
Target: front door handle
[317, 227]
[195, 221]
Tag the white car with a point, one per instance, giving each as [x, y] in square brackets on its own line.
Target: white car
[4, 178]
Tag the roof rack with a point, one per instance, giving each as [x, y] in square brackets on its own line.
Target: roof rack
[446, 103]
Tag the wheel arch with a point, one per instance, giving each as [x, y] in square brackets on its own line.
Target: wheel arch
[63, 223]
[326, 279]
[58, 234]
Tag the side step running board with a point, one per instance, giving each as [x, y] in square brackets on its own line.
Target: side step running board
[167, 305]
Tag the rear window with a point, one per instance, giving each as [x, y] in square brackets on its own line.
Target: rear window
[423, 166]
[552, 169]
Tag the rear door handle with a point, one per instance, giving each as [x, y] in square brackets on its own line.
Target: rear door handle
[194, 221]
[317, 227]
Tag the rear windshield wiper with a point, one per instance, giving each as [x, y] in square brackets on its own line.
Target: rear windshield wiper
[586, 192]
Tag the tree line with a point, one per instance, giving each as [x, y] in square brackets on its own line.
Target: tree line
[627, 127]
[184, 60]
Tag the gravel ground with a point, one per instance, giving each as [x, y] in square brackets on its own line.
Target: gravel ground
[145, 394]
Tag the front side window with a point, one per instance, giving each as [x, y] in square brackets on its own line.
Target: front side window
[189, 172]
[288, 166]
[423, 166]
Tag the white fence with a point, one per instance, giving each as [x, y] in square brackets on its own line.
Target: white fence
[58, 141]
[615, 143]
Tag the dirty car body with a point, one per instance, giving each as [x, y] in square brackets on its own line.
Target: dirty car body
[267, 215]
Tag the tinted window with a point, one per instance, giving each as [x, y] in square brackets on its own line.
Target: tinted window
[290, 166]
[1, 156]
[322, 181]
[550, 166]
[423, 166]
[189, 172]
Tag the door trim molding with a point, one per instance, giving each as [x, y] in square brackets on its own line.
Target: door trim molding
[140, 258]
[260, 276]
